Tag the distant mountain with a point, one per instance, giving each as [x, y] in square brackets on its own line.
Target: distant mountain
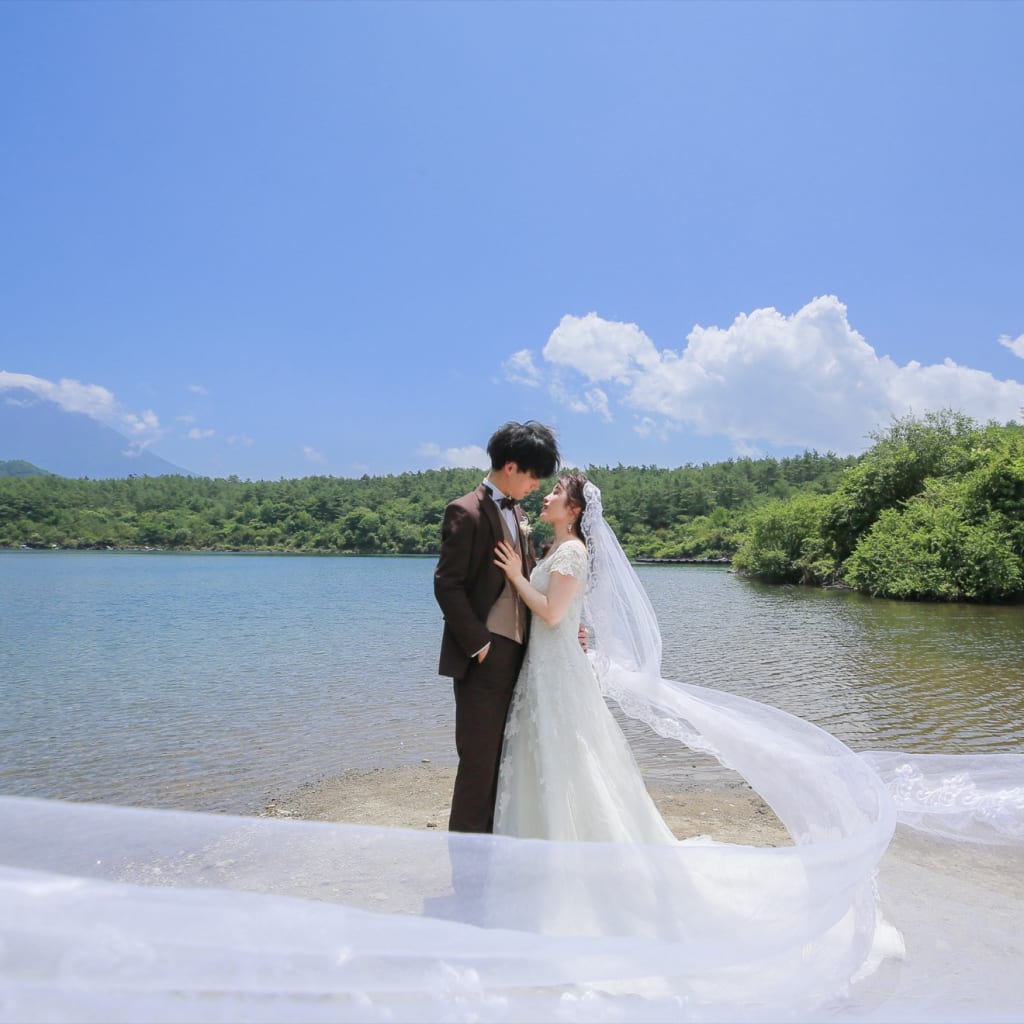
[71, 444]
[19, 467]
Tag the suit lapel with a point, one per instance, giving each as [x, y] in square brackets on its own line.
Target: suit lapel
[491, 512]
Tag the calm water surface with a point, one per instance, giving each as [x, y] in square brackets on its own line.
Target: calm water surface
[220, 682]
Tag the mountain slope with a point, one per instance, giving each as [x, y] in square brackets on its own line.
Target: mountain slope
[69, 443]
[19, 467]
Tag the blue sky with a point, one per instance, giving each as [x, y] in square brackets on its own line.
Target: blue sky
[282, 239]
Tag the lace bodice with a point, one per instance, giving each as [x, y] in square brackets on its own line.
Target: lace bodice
[568, 559]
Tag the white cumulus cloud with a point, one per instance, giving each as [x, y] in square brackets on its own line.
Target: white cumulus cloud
[805, 379]
[601, 350]
[198, 434]
[92, 400]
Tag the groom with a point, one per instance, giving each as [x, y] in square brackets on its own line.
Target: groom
[485, 621]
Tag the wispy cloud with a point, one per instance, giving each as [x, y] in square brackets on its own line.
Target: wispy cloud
[470, 456]
[1015, 345]
[312, 455]
[198, 389]
[93, 401]
[197, 434]
[519, 368]
[597, 399]
[805, 379]
[243, 439]
[647, 426]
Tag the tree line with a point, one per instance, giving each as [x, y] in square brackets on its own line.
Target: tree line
[934, 510]
[689, 512]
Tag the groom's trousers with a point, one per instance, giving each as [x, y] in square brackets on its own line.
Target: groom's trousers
[482, 698]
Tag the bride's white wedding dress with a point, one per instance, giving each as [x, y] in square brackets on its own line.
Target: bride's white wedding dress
[567, 771]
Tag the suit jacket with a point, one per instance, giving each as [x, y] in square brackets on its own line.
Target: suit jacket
[466, 580]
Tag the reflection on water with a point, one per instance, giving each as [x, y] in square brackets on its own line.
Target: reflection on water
[221, 681]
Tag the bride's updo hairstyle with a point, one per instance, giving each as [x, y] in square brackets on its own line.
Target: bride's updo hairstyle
[574, 483]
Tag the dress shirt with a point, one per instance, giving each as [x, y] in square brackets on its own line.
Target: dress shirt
[507, 514]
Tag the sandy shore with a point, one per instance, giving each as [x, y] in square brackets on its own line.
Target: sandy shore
[419, 796]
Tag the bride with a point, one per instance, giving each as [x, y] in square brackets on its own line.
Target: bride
[567, 771]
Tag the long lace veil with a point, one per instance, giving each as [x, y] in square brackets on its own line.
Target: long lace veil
[616, 605]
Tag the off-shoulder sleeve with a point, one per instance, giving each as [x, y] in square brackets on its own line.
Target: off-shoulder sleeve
[570, 559]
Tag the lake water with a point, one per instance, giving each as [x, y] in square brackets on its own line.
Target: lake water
[221, 682]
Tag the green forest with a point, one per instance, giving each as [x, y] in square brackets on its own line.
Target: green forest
[934, 510]
[690, 512]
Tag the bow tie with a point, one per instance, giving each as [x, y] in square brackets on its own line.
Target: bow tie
[506, 502]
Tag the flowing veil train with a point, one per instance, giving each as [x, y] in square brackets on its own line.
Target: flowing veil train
[120, 914]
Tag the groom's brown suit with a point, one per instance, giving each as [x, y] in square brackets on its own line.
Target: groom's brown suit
[470, 589]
